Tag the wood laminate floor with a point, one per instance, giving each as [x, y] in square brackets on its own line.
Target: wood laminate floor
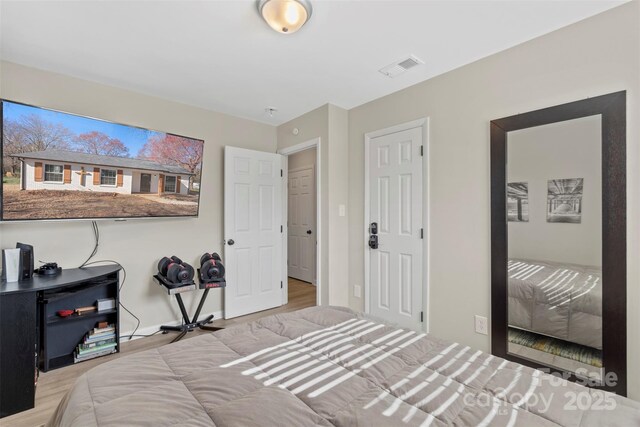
[53, 385]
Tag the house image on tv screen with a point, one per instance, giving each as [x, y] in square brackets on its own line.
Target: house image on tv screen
[72, 170]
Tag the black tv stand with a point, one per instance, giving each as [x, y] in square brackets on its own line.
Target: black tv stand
[32, 334]
[189, 324]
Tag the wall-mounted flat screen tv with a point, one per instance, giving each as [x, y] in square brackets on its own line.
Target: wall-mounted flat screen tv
[58, 166]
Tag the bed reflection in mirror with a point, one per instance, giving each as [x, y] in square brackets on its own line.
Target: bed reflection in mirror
[554, 209]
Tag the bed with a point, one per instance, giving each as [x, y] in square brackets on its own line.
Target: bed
[328, 366]
[558, 300]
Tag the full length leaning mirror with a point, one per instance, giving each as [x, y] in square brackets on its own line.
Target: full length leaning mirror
[558, 212]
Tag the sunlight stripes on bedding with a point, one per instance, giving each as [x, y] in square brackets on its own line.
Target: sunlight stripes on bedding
[454, 359]
[294, 345]
[565, 278]
[440, 409]
[512, 419]
[561, 288]
[534, 383]
[525, 271]
[399, 400]
[366, 365]
[412, 411]
[317, 380]
[284, 344]
[336, 336]
[283, 366]
[491, 415]
[412, 340]
[386, 337]
[363, 357]
[478, 371]
[532, 273]
[440, 355]
[274, 380]
[427, 422]
[334, 383]
[550, 277]
[336, 332]
[502, 365]
[400, 338]
[512, 384]
[271, 362]
[306, 365]
[306, 374]
[571, 298]
[517, 266]
[558, 278]
[380, 358]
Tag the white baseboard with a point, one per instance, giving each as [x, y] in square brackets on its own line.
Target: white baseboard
[147, 330]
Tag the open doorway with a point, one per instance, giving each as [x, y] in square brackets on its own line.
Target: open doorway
[301, 225]
[302, 272]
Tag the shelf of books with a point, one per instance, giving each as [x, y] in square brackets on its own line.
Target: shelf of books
[99, 341]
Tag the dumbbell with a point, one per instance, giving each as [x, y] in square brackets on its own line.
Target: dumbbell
[175, 270]
[211, 268]
[163, 265]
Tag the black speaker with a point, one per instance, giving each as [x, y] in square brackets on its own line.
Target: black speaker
[26, 261]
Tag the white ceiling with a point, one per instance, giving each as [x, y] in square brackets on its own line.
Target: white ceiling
[220, 55]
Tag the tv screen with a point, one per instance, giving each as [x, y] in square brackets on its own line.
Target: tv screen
[59, 166]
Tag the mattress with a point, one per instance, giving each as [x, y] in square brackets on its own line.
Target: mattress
[329, 367]
[559, 300]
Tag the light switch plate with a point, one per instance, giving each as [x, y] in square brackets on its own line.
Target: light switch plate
[342, 210]
[357, 291]
[482, 325]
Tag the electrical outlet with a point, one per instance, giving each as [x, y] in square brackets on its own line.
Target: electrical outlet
[482, 325]
[357, 291]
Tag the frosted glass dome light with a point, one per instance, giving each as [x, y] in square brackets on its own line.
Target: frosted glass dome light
[285, 16]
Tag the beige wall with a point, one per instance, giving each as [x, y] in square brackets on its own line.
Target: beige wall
[330, 124]
[593, 57]
[338, 196]
[136, 244]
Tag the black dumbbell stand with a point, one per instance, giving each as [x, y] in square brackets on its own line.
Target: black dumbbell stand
[188, 324]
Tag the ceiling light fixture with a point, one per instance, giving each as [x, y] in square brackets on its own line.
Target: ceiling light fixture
[285, 16]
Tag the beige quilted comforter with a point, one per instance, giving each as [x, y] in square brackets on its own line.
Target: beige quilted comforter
[324, 367]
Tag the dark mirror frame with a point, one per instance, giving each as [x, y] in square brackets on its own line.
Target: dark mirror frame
[612, 108]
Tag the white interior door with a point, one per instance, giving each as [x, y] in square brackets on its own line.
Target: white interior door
[302, 225]
[252, 231]
[395, 205]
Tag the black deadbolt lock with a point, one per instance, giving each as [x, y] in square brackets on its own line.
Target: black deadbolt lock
[373, 241]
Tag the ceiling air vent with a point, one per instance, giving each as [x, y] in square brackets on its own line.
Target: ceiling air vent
[399, 67]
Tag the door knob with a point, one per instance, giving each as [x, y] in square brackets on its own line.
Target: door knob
[308, 231]
[230, 242]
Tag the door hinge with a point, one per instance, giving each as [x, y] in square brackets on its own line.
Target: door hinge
[281, 285]
[281, 172]
[422, 317]
[281, 229]
[422, 150]
[422, 233]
